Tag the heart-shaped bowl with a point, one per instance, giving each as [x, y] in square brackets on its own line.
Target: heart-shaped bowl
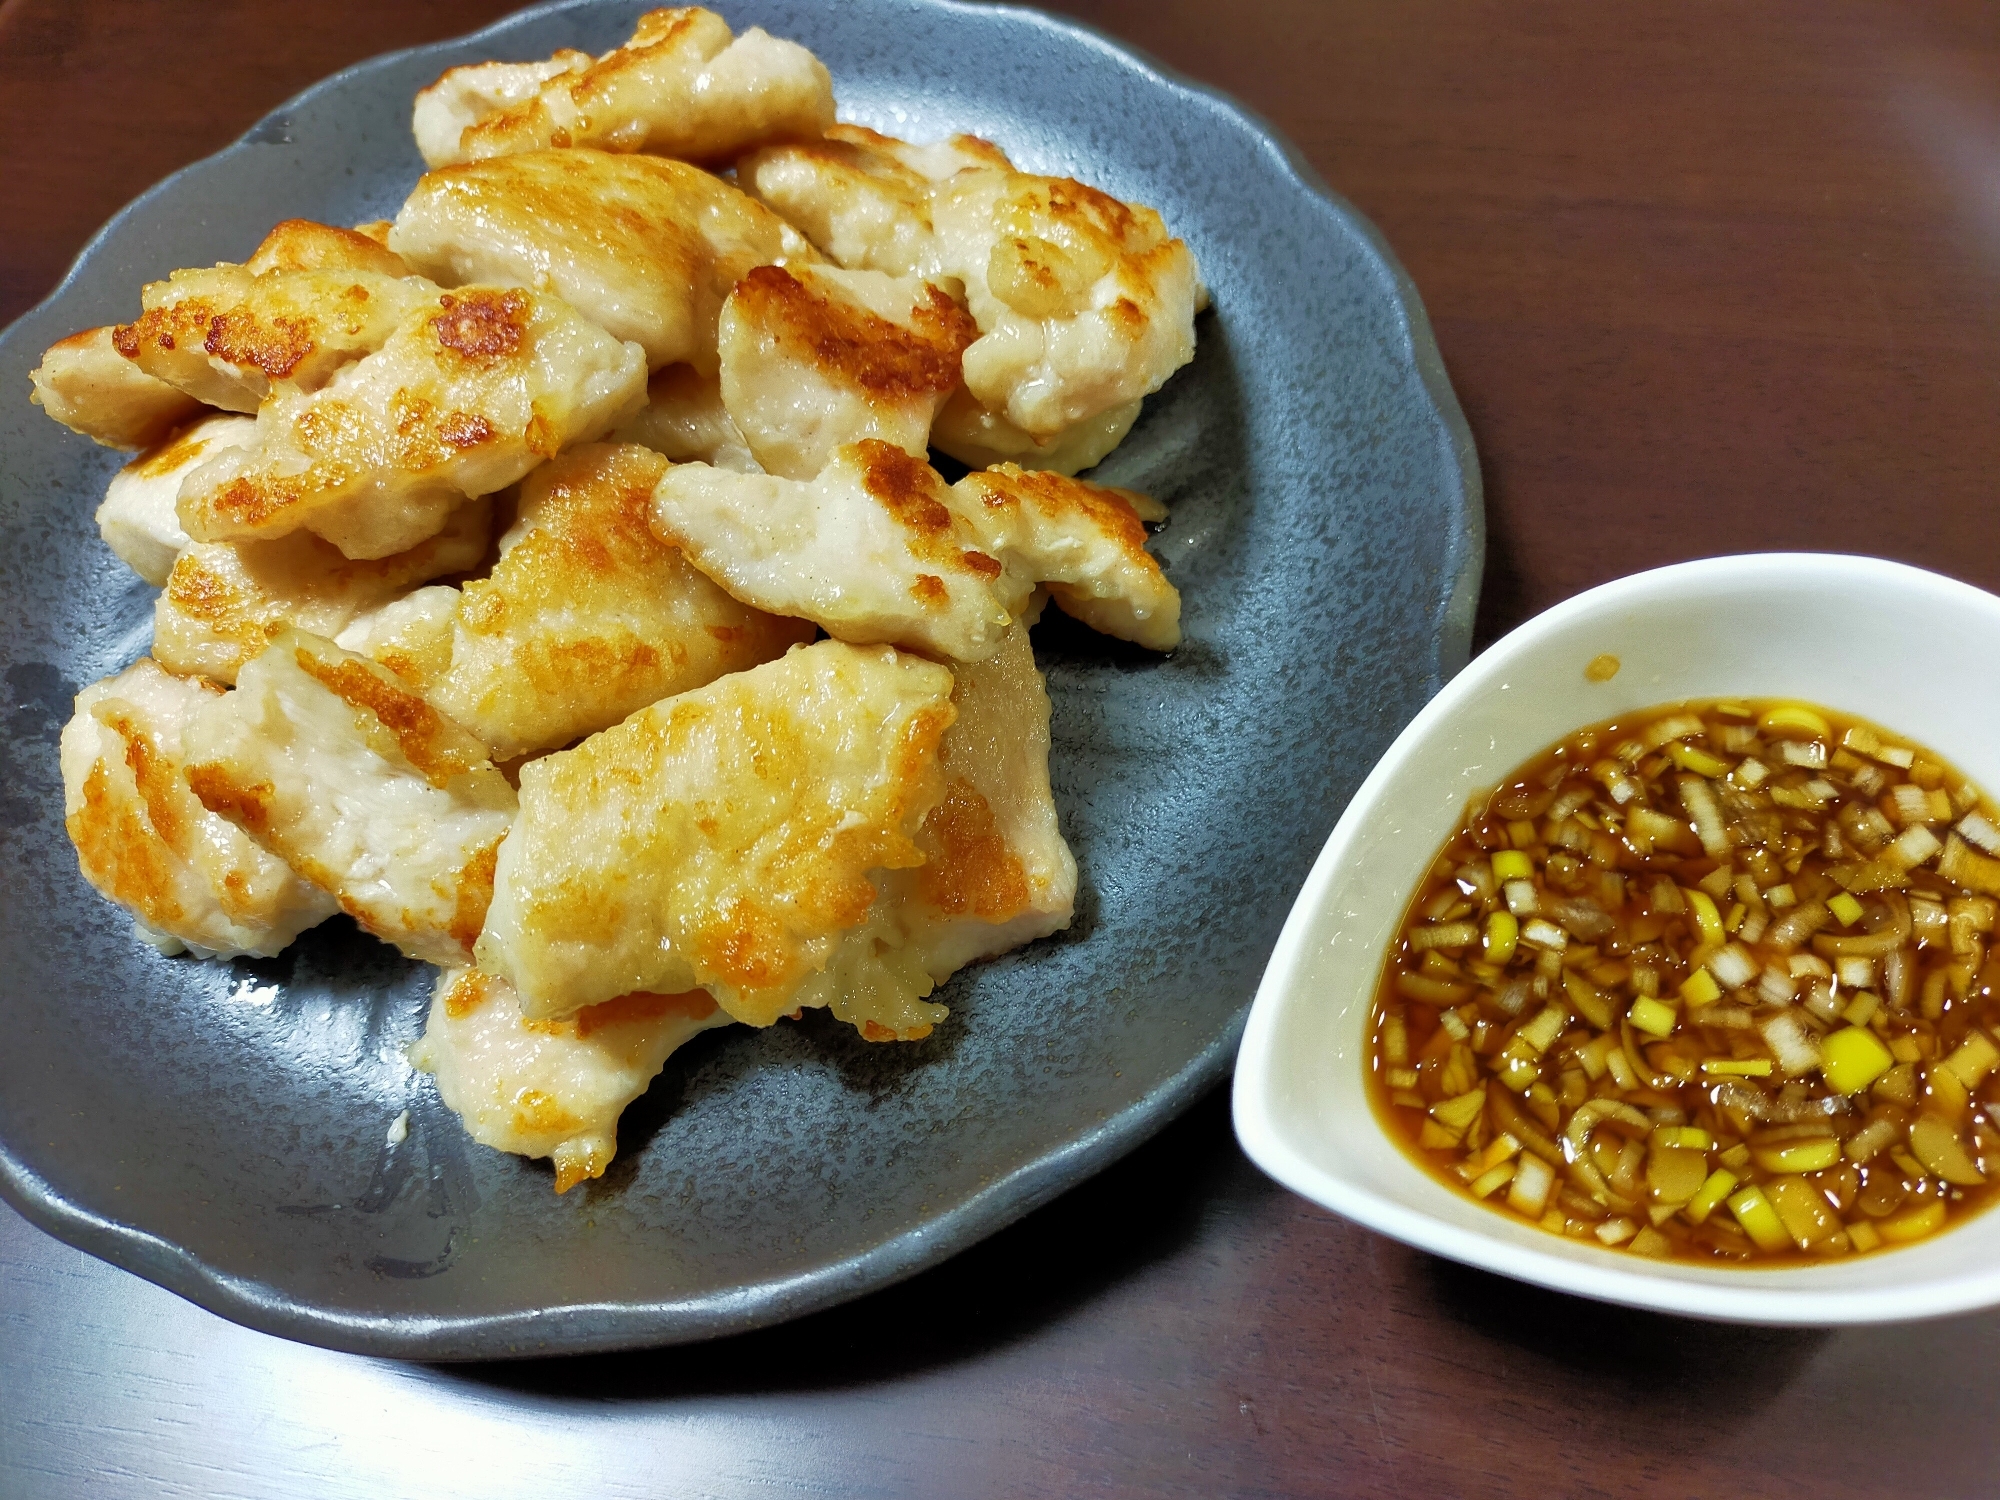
[1906, 649]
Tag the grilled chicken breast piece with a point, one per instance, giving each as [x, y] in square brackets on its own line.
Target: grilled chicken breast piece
[681, 86]
[997, 872]
[1086, 542]
[588, 616]
[721, 839]
[230, 337]
[551, 1088]
[332, 764]
[137, 519]
[1084, 303]
[304, 245]
[684, 420]
[473, 389]
[862, 197]
[464, 96]
[89, 387]
[190, 879]
[646, 248]
[814, 357]
[871, 550]
[411, 636]
[224, 602]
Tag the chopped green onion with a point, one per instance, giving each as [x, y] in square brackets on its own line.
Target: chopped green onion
[1653, 1017]
[1737, 1067]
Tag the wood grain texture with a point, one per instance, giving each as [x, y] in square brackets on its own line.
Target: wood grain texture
[1707, 278]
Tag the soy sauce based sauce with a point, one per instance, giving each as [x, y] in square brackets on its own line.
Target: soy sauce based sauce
[1710, 982]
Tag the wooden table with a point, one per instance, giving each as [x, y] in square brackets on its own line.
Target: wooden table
[1708, 278]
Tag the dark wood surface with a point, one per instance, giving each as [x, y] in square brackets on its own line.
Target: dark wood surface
[1708, 278]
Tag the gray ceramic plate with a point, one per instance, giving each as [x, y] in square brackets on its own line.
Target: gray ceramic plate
[221, 1129]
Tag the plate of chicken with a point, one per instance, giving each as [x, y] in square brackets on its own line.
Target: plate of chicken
[665, 663]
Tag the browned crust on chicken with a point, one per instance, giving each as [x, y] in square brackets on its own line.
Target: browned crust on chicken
[976, 872]
[846, 341]
[246, 804]
[907, 488]
[303, 245]
[482, 325]
[114, 844]
[475, 894]
[86, 383]
[429, 741]
[1113, 511]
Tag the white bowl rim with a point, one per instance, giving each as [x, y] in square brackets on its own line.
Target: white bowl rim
[1759, 1297]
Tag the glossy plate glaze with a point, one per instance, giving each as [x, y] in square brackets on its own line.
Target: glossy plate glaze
[222, 1129]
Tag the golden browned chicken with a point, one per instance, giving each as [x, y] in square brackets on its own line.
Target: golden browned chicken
[220, 336]
[721, 839]
[189, 878]
[329, 762]
[681, 86]
[644, 247]
[224, 602]
[89, 387]
[411, 636]
[588, 616]
[303, 245]
[1085, 304]
[229, 337]
[551, 1088]
[473, 389]
[1086, 542]
[980, 438]
[871, 550]
[814, 357]
[996, 872]
[862, 197]
[684, 420]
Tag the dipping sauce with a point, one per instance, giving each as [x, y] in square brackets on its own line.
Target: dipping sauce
[1710, 982]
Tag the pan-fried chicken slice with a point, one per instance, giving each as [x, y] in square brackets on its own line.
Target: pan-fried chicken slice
[228, 336]
[551, 1088]
[816, 357]
[682, 86]
[877, 979]
[224, 602]
[645, 247]
[472, 390]
[411, 636]
[137, 519]
[684, 420]
[871, 550]
[303, 245]
[996, 873]
[190, 879]
[721, 839]
[864, 198]
[333, 765]
[1084, 303]
[979, 438]
[588, 616]
[464, 96]
[1086, 541]
[89, 387]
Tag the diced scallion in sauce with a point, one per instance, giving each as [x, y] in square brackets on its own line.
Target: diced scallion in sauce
[1714, 982]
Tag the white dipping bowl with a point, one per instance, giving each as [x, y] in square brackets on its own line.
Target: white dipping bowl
[1909, 650]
